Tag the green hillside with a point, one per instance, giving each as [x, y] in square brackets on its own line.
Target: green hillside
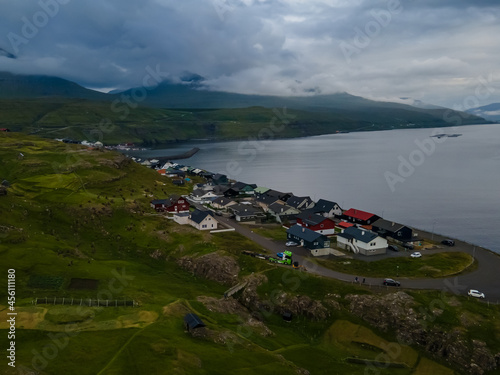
[74, 213]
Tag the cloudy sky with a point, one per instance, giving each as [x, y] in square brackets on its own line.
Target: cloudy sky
[444, 52]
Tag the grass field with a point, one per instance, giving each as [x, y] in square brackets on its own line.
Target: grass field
[77, 213]
[429, 265]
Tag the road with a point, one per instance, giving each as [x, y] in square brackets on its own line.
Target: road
[482, 278]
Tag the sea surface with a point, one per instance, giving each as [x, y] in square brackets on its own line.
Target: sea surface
[446, 185]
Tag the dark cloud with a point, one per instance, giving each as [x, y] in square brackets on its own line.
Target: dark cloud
[437, 52]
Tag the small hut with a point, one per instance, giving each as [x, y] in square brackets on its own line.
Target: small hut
[192, 322]
[287, 316]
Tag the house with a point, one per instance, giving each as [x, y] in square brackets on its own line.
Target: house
[174, 203]
[264, 201]
[203, 196]
[282, 212]
[220, 179]
[246, 213]
[240, 188]
[300, 203]
[317, 223]
[327, 208]
[278, 194]
[178, 182]
[171, 172]
[360, 217]
[386, 228]
[307, 238]
[182, 218]
[192, 322]
[361, 241]
[222, 203]
[202, 220]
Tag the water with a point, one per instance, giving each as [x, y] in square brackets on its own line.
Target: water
[450, 185]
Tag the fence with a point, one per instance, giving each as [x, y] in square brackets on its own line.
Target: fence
[84, 302]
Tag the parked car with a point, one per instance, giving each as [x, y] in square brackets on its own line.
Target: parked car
[416, 254]
[393, 248]
[475, 293]
[291, 243]
[408, 246]
[448, 242]
[391, 282]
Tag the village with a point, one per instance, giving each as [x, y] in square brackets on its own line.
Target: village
[322, 227]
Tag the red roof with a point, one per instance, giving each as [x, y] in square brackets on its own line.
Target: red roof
[345, 224]
[162, 171]
[358, 214]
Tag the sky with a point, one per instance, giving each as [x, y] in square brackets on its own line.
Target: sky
[443, 52]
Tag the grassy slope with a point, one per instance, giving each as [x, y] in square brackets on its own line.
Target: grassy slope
[116, 123]
[68, 205]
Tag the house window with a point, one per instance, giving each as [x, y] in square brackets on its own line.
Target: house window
[321, 225]
[315, 243]
[399, 234]
[204, 226]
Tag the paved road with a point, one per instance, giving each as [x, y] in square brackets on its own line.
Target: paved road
[484, 278]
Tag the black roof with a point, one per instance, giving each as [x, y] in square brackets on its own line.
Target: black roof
[311, 219]
[362, 235]
[295, 201]
[193, 321]
[244, 210]
[387, 225]
[324, 205]
[198, 216]
[237, 186]
[304, 233]
[223, 201]
[266, 199]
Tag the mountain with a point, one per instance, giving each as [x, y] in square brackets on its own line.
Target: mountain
[489, 112]
[14, 86]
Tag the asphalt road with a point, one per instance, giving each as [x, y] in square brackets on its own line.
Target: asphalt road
[482, 278]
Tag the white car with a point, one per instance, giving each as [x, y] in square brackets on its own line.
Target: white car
[291, 243]
[416, 255]
[475, 293]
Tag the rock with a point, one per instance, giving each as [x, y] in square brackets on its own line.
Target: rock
[214, 266]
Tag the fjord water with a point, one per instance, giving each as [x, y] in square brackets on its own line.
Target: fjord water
[448, 185]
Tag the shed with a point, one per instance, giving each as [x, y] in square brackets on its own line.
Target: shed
[192, 321]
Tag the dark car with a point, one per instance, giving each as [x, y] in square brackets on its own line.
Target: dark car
[393, 248]
[448, 242]
[391, 282]
[408, 246]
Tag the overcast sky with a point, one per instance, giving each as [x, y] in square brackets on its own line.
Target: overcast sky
[444, 52]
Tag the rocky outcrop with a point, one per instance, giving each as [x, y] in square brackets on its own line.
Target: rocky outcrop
[414, 325]
[214, 266]
[279, 302]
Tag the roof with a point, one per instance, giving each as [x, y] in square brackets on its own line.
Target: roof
[311, 219]
[304, 233]
[358, 214]
[295, 201]
[223, 201]
[387, 225]
[267, 199]
[345, 224]
[159, 201]
[182, 214]
[359, 234]
[260, 190]
[193, 321]
[325, 205]
[198, 216]
[241, 185]
[198, 193]
[244, 210]
[279, 208]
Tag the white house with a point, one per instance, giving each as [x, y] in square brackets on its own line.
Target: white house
[327, 208]
[361, 241]
[203, 196]
[203, 220]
